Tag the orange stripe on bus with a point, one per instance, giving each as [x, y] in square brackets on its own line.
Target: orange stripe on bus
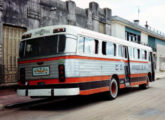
[138, 83]
[136, 61]
[92, 91]
[138, 75]
[121, 76]
[77, 57]
[81, 79]
[70, 80]
[122, 86]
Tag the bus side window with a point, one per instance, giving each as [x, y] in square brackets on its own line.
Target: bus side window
[120, 50]
[104, 48]
[110, 49]
[89, 45]
[125, 54]
[143, 54]
[81, 44]
[135, 53]
[130, 52]
[96, 46]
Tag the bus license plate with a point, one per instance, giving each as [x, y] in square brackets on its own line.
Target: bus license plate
[40, 71]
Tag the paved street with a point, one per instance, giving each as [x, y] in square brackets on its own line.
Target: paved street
[132, 104]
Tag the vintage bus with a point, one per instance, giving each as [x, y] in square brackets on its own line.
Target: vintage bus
[66, 60]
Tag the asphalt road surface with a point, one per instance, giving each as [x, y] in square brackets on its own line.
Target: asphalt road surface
[131, 104]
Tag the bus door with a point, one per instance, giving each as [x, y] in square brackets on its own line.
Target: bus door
[126, 66]
[152, 67]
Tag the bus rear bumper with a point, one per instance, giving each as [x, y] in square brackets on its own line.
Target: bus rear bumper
[49, 92]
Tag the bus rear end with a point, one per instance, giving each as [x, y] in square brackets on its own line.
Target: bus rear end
[44, 63]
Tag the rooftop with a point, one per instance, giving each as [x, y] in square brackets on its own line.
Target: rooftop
[150, 31]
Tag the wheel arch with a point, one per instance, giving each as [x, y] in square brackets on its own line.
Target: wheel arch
[115, 76]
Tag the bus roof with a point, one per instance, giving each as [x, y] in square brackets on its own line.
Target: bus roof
[75, 30]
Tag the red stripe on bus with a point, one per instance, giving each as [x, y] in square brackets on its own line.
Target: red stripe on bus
[93, 91]
[138, 75]
[122, 86]
[70, 80]
[76, 57]
[138, 83]
[135, 61]
[134, 83]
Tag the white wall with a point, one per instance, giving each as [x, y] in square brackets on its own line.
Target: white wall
[144, 38]
[118, 30]
[160, 54]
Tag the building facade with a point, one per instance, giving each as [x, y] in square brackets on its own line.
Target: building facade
[18, 16]
[134, 32]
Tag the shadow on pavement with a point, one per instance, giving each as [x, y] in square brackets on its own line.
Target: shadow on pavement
[71, 103]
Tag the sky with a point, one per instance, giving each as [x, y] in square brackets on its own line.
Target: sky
[152, 11]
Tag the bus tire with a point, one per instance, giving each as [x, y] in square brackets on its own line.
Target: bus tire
[145, 86]
[113, 89]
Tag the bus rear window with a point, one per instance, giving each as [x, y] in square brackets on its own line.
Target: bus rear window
[43, 46]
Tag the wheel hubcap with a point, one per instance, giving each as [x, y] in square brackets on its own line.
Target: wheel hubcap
[113, 88]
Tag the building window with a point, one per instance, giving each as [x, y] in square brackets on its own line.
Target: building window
[132, 35]
[101, 27]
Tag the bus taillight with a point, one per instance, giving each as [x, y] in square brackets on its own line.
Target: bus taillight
[22, 75]
[61, 70]
[59, 30]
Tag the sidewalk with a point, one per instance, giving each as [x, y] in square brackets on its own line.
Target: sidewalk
[9, 97]
[159, 75]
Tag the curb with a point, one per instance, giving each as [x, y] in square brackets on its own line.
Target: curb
[8, 86]
[158, 78]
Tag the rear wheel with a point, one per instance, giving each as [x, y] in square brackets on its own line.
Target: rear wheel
[113, 89]
[146, 85]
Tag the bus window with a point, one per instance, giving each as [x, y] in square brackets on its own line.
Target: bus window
[81, 44]
[104, 48]
[130, 52]
[110, 49]
[135, 53]
[96, 46]
[89, 45]
[44, 46]
[143, 54]
[120, 50]
[138, 52]
[125, 54]
[62, 42]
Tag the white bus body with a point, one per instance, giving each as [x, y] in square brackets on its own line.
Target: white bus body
[66, 60]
